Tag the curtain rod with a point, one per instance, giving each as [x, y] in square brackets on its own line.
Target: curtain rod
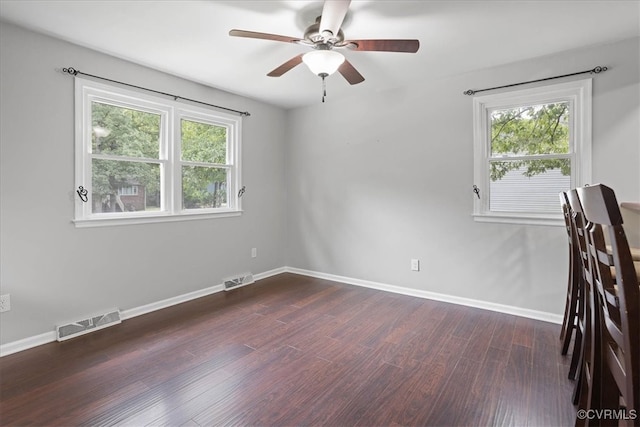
[72, 71]
[595, 70]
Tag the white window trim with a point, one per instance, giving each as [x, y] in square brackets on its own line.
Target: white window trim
[172, 112]
[578, 93]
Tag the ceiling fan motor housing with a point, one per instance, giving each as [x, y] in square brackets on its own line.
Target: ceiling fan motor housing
[313, 35]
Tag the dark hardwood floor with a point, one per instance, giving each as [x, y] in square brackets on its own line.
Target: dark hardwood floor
[293, 350]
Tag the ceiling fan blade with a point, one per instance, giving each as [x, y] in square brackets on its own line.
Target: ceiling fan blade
[277, 72]
[409, 46]
[263, 36]
[350, 73]
[333, 13]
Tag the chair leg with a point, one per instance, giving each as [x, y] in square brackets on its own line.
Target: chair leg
[610, 396]
[568, 325]
[577, 388]
[576, 356]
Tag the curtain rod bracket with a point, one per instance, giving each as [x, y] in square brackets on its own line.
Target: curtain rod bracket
[73, 72]
[70, 70]
[596, 70]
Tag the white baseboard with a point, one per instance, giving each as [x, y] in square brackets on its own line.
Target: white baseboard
[27, 343]
[47, 337]
[485, 305]
[159, 305]
[270, 273]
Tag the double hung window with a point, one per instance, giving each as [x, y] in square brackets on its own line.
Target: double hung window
[143, 158]
[530, 145]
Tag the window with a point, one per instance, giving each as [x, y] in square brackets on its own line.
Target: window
[131, 190]
[143, 158]
[529, 145]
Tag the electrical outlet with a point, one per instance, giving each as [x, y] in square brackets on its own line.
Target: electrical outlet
[254, 252]
[415, 265]
[5, 302]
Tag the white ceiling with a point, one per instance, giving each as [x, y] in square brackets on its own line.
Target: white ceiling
[190, 38]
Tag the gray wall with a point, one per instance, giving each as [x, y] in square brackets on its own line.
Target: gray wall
[377, 181]
[56, 272]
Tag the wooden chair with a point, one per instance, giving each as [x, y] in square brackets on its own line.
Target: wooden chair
[617, 284]
[572, 325]
[587, 391]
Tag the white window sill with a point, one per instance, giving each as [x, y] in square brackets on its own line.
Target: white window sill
[104, 221]
[513, 218]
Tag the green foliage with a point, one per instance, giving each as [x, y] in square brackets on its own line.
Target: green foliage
[131, 133]
[202, 142]
[123, 132]
[530, 131]
[203, 187]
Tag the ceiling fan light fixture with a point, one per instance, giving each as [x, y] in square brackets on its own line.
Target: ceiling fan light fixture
[322, 62]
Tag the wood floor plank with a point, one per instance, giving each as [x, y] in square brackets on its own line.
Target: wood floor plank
[299, 393]
[513, 394]
[452, 406]
[523, 332]
[335, 398]
[503, 333]
[231, 404]
[227, 391]
[414, 319]
[484, 326]
[164, 395]
[77, 390]
[395, 400]
[483, 402]
[497, 354]
[294, 350]
[421, 401]
[372, 392]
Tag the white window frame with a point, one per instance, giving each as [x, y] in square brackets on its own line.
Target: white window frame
[578, 94]
[171, 113]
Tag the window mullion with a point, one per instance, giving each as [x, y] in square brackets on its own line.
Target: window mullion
[173, 167]
[205, 164]
[533, 157]
[125, 158]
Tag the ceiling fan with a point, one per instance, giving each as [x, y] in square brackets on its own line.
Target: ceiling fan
[323, 37]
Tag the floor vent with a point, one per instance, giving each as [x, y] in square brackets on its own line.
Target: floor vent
[237, 281]
[84, 326]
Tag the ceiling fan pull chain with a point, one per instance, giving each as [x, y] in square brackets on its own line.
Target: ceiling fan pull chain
[324, 88]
